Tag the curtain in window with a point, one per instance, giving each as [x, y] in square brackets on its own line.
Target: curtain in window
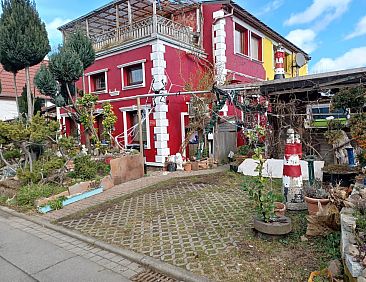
[255, 47]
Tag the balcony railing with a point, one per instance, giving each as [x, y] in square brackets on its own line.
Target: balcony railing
[142, 29]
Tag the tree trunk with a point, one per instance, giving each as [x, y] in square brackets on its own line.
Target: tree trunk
[16, 92]
[87, 140]
[83, 82]
[28, 155]
[29, 95]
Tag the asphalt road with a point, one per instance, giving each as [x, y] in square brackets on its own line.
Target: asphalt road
[27, 257]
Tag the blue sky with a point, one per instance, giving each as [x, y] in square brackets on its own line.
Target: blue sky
[333, 32]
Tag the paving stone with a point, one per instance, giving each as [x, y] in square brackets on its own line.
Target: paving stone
[170, 224]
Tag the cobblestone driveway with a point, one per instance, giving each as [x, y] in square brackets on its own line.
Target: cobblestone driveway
[183, 225]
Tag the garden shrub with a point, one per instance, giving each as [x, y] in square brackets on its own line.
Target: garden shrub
[29, 193]
[88, 169]
[12, 154]
[85, 168]
[42, 168]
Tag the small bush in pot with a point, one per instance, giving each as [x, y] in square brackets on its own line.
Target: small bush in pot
[315, 194]
[263, 200]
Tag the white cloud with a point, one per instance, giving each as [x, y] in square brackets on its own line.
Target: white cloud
[359, 30]
[54, 34]
[303, 38]
[323, 11]
[270, 7]
[354, 58]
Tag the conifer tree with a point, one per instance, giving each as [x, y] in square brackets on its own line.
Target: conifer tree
[79, 42]
[23, 40]
[65, 68]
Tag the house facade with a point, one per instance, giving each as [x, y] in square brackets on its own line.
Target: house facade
[8, 105]
[146, 47]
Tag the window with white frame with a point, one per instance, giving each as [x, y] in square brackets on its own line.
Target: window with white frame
[131, 127]
[256, 47]
[98, 81]
[133, 74]
[241, 40]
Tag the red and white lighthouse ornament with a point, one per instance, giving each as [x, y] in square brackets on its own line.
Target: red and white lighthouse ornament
[292, 175]
[279, 62]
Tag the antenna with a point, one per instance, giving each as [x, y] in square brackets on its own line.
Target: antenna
[300, 60]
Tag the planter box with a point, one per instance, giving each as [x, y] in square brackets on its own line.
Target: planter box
[127, 168]
[73, 199]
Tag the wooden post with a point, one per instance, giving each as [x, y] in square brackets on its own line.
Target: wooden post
[129, 10]
[140, 125]
[117, 22]
[155, 19]
[87, 27]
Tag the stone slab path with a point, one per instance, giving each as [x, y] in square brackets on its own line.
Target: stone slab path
[30, 252]
[125, 188]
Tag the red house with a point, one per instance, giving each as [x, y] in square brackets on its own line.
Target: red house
[166, 46]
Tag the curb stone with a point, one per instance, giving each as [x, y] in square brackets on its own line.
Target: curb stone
[147, 261]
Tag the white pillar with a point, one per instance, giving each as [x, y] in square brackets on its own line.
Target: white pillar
[161, 109]
[220, 46]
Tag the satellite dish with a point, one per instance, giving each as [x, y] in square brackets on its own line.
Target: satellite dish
[300, 60]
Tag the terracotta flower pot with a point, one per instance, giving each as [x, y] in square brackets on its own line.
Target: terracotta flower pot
[194, 165]
[280, 209]
[313, 204]
[187, 166]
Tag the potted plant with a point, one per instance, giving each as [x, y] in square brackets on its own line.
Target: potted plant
[266, 221]
[280, 207]
[315, 195]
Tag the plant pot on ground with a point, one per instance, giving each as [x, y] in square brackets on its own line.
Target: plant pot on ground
[187, 166]
[263, 200]
[172, 167]
[194, 165]
[315, 196]
[280, 209]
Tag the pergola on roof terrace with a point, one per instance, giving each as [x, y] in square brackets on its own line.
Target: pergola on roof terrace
[123, 12]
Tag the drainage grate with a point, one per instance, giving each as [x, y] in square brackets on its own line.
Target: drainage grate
[151, 276]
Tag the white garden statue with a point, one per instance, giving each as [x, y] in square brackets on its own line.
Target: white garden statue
[179, 161]
[84, 150]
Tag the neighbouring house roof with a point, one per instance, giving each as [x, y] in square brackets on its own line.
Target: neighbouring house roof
[7, 82]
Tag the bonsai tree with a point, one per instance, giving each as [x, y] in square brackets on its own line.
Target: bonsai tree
[66, 66]
[23, 135]
[23, 41]
[83, 46]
